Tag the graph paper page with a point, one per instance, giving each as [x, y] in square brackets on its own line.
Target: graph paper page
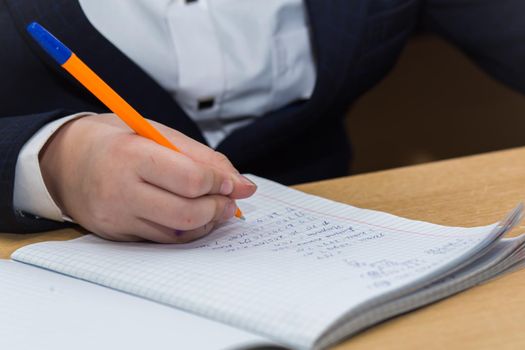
[298, 262]
[40, 309]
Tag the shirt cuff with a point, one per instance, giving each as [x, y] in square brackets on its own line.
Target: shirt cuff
[30, 192]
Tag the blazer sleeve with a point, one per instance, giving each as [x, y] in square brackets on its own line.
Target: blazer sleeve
[15, 131]
[33, 92]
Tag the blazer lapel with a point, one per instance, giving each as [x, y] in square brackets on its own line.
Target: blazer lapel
[336, 31]
[66, 20]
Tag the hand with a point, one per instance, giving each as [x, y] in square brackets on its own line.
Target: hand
[125, 187]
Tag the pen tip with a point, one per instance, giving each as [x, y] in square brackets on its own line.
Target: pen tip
[242, 218]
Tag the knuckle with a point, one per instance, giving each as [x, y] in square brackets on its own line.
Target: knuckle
[196, 184]
[213, 210]
[220, 158]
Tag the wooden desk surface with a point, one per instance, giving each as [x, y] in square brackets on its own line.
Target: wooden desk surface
[468, 191]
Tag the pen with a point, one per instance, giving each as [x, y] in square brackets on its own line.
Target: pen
[91, 81]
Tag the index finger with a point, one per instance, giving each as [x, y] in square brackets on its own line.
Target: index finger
[196, 150]
[179, 174]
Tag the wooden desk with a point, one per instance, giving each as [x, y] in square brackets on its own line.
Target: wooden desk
[469, 191]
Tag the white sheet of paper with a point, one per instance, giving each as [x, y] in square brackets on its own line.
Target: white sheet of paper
[40, 309]
[298, 264]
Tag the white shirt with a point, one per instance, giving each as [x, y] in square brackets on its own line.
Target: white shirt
[226, 63]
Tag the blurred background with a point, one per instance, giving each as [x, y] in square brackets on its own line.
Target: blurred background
[435, 104]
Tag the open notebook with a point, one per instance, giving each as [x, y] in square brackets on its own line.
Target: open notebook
[302, 271]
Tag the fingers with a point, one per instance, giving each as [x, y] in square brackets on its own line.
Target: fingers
[179, 213]
[141, 229]
[195, 149]
[125, 187]
[243, 188]
[203, 154]
[198, 153]
[182, 175]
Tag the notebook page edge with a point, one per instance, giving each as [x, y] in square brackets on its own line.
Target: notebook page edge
[472, 275]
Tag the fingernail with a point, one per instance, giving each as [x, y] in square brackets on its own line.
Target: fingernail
[229, 210]
[246, 181]
[226, 187]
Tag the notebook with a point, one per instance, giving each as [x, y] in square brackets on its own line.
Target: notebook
[302, 271]
[40, 309]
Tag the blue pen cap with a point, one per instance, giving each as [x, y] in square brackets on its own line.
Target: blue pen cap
[49, 43]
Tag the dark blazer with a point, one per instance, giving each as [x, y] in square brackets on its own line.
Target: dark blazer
[355, 44]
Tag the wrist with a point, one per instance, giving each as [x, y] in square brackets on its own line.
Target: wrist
[52, 157]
